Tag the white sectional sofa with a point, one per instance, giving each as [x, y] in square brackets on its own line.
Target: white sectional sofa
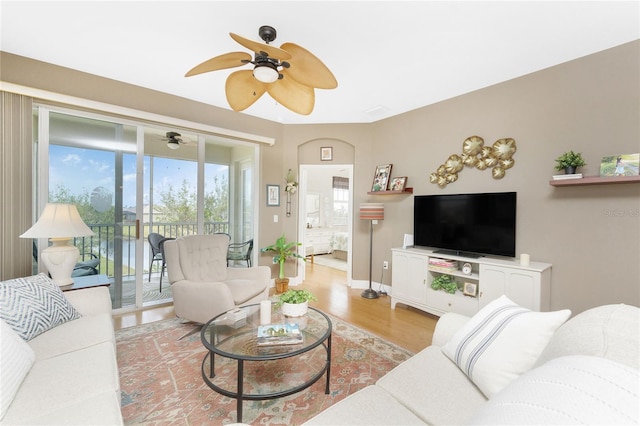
[67, 374]
[584, 372]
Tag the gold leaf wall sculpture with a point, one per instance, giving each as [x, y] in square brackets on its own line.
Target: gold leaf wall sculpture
[498, 158]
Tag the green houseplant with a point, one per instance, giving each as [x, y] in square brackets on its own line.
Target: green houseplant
[446, 283]
[569, 162]
[283, 250]
[295, 302]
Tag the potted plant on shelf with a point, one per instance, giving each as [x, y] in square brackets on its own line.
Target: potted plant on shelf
[283, 251]
[295, 302]
[569, 162]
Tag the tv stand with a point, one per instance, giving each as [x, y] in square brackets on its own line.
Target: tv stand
[412, 275]
[458, 253]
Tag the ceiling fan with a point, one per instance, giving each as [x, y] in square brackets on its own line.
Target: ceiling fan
[174, 140]
[289, 74]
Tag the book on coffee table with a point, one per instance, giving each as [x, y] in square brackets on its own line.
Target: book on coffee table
[279, 334]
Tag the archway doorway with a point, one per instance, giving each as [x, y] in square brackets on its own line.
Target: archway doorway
[325, 215]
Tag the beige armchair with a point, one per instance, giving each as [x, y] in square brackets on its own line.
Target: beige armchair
[202, 284]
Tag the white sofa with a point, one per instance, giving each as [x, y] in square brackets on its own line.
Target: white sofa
[66, 375]
[587, 373]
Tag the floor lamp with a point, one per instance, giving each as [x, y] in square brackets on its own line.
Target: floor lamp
[372, 212]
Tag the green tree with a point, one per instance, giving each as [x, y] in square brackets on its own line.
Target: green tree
[216, 201]
[62, 194]
[178, 206]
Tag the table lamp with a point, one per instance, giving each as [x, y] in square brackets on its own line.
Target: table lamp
[60, 223]
[372, 212]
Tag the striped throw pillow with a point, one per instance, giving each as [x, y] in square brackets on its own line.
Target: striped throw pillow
[501, 342]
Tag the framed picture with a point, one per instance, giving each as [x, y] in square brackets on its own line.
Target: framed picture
[398, 183]
[620, 165]
[326, 153]
[273, 195]
[381, 178]
[470, 289]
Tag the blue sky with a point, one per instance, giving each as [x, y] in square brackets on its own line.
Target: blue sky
[82, 170]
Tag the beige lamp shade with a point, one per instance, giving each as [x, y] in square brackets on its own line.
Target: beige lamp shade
[371, 211]
[60, 222]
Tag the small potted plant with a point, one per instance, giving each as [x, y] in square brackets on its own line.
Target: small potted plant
[295, 302]
[569, 162]
[283, 251]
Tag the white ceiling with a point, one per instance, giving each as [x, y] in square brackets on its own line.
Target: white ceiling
[388, 57]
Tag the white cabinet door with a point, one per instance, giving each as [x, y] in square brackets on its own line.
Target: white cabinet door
[492, 283]
[521, 286]
[409, 277]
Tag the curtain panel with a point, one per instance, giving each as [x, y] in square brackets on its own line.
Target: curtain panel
[16, 184]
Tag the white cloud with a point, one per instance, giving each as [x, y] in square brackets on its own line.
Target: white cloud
[71, 159]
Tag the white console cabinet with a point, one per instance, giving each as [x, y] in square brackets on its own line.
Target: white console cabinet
[529, 286]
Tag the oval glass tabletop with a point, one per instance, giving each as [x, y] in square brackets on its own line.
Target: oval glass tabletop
[228, 336]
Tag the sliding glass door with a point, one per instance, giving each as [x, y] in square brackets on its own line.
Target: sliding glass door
[92, 164]
[129, 180]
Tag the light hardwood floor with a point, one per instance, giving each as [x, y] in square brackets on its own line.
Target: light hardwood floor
[407, 327]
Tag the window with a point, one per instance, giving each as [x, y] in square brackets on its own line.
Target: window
[340, 201]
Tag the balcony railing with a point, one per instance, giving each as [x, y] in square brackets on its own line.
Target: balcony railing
[102, 244]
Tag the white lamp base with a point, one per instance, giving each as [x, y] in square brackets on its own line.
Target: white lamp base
[60, 259]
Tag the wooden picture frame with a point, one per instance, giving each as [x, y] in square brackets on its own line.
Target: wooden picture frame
[273, 195]
[398, 183]
[381, 178]
[326, 153]
[470, 289]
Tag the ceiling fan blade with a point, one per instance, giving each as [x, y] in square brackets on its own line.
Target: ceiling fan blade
[243, 89]
[228, 60]
[293, 95]
[257, 47]
[307, 69]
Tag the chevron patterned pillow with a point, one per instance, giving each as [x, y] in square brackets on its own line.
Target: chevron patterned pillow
[33, 305]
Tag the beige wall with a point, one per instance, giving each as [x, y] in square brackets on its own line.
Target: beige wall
[591, 234]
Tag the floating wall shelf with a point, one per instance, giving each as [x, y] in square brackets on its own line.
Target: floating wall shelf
[405, 191]
[595, 180]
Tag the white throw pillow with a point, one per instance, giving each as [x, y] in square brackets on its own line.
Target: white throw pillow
[571, 390]
[33, 305]
[501, 342]
[16, 359]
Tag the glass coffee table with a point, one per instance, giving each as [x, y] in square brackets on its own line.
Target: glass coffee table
[238, 367]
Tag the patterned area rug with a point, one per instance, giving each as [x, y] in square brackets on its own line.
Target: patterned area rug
[161, 382]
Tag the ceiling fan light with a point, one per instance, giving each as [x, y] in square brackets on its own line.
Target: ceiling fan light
[173, 144]
[265, 73]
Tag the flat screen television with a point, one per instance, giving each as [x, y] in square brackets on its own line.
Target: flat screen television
[466, 224]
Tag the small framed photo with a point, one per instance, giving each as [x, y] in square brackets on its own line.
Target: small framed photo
[273, 195]
[470, 289]
[326, 153]
[620, 165]
[398, 183]
[381, 178]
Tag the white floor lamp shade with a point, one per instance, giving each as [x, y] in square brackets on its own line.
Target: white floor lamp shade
[371, 212]
[60, 223]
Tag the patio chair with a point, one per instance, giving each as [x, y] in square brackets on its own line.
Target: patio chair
[240, 252]
[201, 283]
[156, 242]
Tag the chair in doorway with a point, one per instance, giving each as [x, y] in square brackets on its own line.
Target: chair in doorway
[156, 242]
[240, 252]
